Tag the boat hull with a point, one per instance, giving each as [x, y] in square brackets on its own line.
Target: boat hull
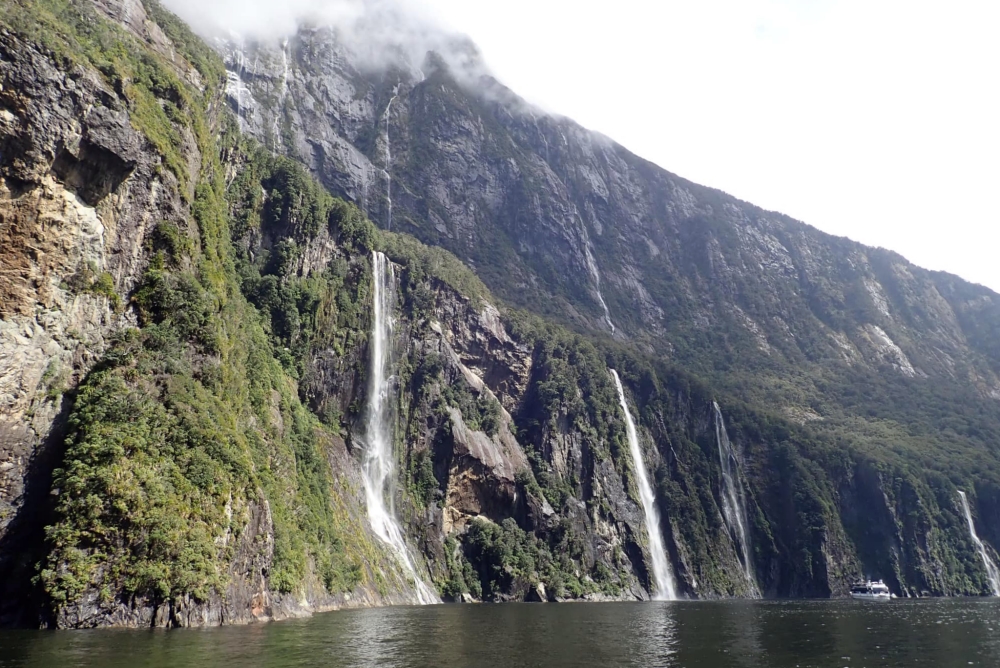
[872, 597]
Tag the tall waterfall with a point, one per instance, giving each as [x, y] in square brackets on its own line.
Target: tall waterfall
[991, 569]
[388, 158]
[662, 574]
[734, 509]
[379, 461]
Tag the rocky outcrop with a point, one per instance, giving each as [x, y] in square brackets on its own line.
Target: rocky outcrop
[82, 195]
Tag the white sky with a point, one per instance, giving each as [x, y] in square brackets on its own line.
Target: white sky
[876, 119]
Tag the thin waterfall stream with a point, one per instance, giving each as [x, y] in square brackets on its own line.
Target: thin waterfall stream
[991, 568]
[734, 509]
[388, 158]
[596, 276]
[662, 573]
[379, 465]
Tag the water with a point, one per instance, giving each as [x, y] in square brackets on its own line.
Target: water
[234, 79]
[734, 508]
[379, 465]
[596, 276]
[388, 158]
[991, 569]
[662, 574]
[687, 634]
[286, 71]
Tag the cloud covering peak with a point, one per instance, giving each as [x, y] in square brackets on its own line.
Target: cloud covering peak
[379, 33]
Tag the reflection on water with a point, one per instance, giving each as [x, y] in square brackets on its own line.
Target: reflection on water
[734, 634]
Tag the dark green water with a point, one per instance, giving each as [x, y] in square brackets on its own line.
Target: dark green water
[690, 634]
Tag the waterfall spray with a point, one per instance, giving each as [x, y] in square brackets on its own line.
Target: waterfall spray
[379, 462]
[733, 504]
[662, 574]
[991, 569]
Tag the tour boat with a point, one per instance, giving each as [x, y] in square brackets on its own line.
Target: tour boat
[871, 591]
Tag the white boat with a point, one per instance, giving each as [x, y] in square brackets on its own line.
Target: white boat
[871, 591]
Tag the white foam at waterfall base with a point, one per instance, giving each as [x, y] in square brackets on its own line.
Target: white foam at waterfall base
[991, 569]
[733, 506]
[379, 461]
[662, 573]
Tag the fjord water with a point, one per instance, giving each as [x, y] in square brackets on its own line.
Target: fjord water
[379, 462]
[937, 633]
[662, 574]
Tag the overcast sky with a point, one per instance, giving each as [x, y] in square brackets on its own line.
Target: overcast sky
[877, 120]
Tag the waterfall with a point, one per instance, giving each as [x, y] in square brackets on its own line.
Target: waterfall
[379, 460]
[282, 97]
[286, 71]
[234, 81]
[235, 86]
[596, 276]
[991, 569]
[388, 157]
[734, 509]
[664, 578]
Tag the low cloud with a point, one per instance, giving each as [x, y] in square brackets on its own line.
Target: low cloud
[379, 33]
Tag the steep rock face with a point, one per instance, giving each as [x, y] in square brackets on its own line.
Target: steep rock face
[78, 188]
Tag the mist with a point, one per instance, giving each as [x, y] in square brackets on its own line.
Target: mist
[379, 33]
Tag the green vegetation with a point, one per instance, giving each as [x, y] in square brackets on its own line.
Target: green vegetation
[481, 412]
[427, 265]
[276, 202]
[161, 452]
[507, 558]
[190, 46]
[462, 578]
[89, 280]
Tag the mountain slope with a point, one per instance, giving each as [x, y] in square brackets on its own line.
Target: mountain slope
[856, 344]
